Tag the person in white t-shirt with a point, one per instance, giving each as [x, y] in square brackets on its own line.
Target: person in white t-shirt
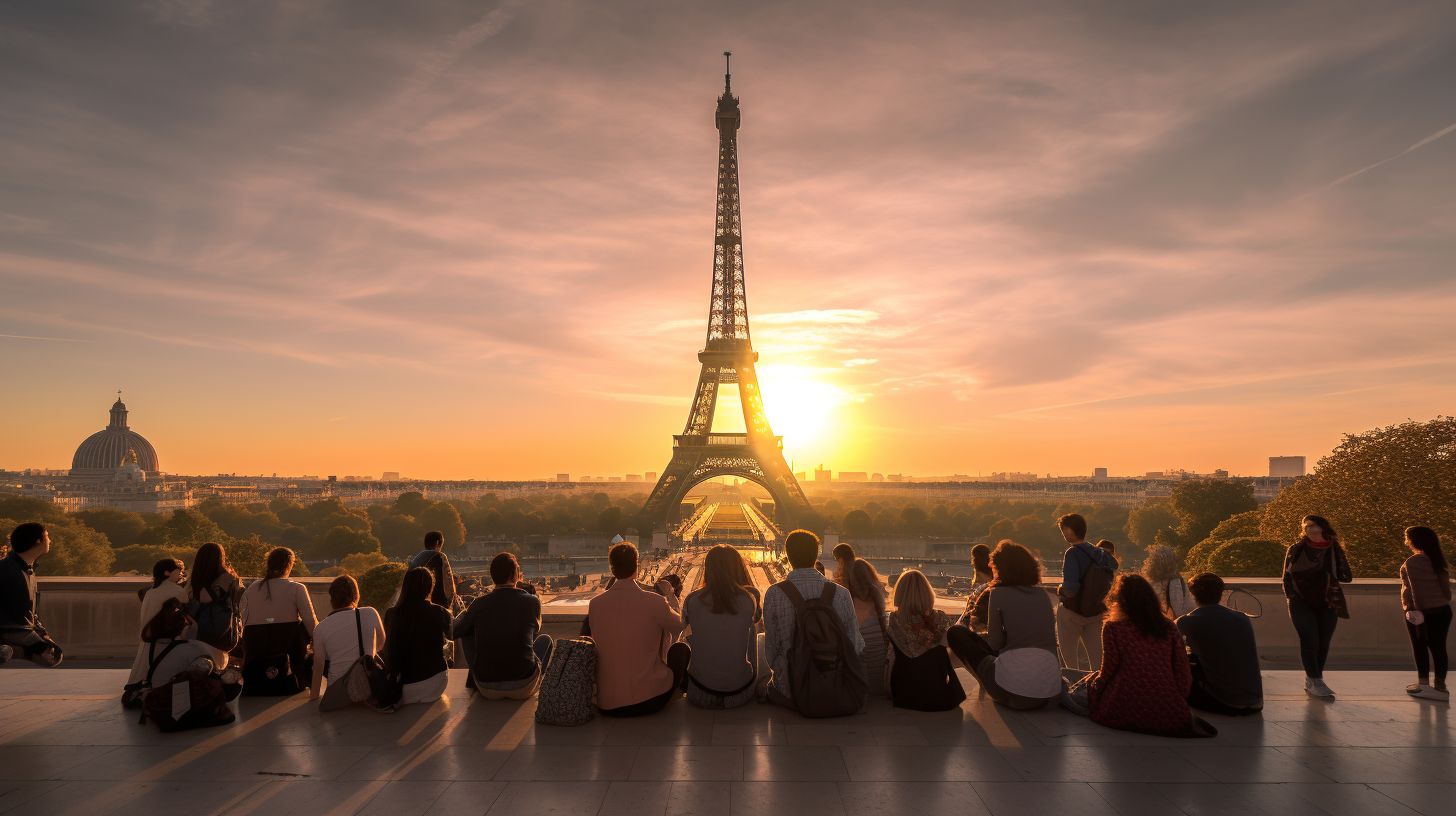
[336, 637]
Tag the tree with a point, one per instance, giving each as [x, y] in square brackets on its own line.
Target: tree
[1371, 488]
[1004, 528]
[444, 517]
[1243, 525]
[609, 520]
[189, 528]
[378, 585]
[411, 504]
[857, 524]
[342, 541]
[1247, 556]
[75, 548]
[399, 536]
[360, 563]
[1201, 504]
[914, 519]
[121, 528]
[139, 558]
[249, 555]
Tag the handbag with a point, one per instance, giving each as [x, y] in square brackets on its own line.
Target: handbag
[366, 681]
[1334, 593]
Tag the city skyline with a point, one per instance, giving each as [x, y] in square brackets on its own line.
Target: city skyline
[477, 243]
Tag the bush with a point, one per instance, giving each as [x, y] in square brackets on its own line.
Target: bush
[377, 586]
[139, 558]
[1245, 557]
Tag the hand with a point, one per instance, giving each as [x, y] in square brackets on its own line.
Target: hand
[1416, 617]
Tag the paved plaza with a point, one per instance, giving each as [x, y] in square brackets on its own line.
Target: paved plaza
[66, 747]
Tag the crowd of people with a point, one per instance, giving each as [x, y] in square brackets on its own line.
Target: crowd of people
[1140, 651]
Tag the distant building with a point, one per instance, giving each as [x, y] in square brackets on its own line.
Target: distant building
[649, 476]
[1286, 466]
[1220, 474]
[117, 467]
[822, 475]
[389, 476]
[878, 477]
[895, 477]
[1099, 474]
[853, 476]
[563, 477]
[632, 477]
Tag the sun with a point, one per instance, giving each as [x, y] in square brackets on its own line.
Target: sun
[801, 407]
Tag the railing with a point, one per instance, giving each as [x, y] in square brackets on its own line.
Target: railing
[696, 441]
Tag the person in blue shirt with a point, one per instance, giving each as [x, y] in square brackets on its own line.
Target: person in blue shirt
[1079, 636]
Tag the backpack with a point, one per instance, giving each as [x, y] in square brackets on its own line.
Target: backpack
[191, 699]
[826, 677]
[132, 694]
[568, 684]
[1091, 597]
[219, 623]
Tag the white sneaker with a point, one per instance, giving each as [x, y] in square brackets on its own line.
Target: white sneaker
[1432, 693]
[1315, 687]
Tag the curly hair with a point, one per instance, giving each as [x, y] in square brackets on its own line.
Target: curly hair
[1014, 565]
[1132, 599]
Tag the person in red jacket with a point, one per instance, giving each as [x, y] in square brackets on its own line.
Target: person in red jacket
[1144, 680]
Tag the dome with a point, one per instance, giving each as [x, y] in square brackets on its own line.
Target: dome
[108, 449]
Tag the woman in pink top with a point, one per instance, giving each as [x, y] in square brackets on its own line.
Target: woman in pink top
[278, 621]
[639, 667]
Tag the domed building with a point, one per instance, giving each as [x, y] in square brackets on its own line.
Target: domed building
[108, 450]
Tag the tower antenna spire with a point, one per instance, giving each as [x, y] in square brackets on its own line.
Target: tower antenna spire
[728, 72]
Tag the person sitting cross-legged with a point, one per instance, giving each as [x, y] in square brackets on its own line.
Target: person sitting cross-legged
[1221, 651]
[21, 633]
[500, 634]
[338, 638]
[781, 629]
[639, 666]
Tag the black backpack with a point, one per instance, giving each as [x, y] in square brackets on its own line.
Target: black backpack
[219, 622]
[826, 677]
[1091, 598]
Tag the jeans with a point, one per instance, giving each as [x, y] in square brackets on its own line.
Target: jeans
[1315, 626]
[1428, 641]
[1075, 630]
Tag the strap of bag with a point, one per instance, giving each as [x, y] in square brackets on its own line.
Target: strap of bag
[792, 592]
[359, 631]
[827, 594]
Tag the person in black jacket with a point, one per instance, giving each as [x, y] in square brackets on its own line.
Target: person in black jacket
[417, 629]
[501, 635]
[1314, 568]
[433, 558]
[21, 633]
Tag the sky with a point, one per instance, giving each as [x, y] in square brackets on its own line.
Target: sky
[474, 239]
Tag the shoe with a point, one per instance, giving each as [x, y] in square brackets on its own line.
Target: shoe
[6, 652]
[1315, 687]
[1414, 689]
[1429, 693]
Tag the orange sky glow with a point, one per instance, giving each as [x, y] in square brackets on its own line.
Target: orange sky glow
[465, 240]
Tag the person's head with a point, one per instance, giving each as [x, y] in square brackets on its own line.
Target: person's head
[208, 566]
[981, 559]
[1424, 540]
[505, 570]
[168, 569]
[1132, 599]
[623, 560]
[1073, 527]
[865, 585]
[802, 548]
[279, 563]
[913, 593]
[1104, 544]
[1014, 565]
[674, 580]
[843, 557]
[30, 540]
[1318, 528]
[169, 623]
[1162, 564]
[722, 577]
[416, 588]
[344, 592]
[434, 540]
[1207, 589]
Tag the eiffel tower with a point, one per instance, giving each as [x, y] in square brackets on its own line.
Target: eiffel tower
[728, 357]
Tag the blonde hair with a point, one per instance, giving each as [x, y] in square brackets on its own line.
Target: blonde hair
[913, 593]
[1161, 564]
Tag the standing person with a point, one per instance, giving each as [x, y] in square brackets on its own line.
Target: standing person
[867, 592]
[1109, 548]
[1314, 568]
[21, 632]
[433, 557]
[1425, 595]
[1016, 662]
[780, 618]
[921, 675]
[338, 637]
[639, 667]
[278, 623]
[1145, 678]
[1086, 577]
[501, 635]
[416, 630]
[1222, 653]
[1161, 568]
[168, 575]
[722, 620]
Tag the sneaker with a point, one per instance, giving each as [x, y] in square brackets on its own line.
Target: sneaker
[1429, 693]
[1315, 687]
[1414, 689]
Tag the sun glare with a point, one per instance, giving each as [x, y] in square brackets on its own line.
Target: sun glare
[802, 408]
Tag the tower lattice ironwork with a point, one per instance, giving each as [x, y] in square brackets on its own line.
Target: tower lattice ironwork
[728, 357]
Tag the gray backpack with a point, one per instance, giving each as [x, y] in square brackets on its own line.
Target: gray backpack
[568, 687]
[826, 677]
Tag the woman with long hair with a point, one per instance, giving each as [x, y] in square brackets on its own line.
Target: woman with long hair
[722, 616]
[212, 576]
[1425, 596]
[1162, 568]
[1016, 662]
[417, 629]
[214, 597]
[921, 674]
[1145, 677]
[868, 593]
[1314, 568]
[278, 622]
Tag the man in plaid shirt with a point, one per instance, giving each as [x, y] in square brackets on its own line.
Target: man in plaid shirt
[802, 548]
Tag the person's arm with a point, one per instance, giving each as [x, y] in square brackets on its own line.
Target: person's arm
[305, 610]
[1287, 573]
[1182, 672]
[669, 618]
[14, 597]
[464, 625]
[980, 611]
[1071, 574]
[377, 636]
[1111, 656]
[774, 639]
[1407, 596]
[995, 623]
[1342, 566]
[320, 657]
[845, 606]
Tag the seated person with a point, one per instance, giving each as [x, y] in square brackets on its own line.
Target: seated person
[639, 667]
[1144, 680]
[868, 592]
[167, 577]
[500, 634]
[278, 622]
[1016, 662]
[921, 675]
[416, 630]
[21, 633]
[170, 654]
[1221, 650]
[337, 638]
[722, 619]
[779, 617]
